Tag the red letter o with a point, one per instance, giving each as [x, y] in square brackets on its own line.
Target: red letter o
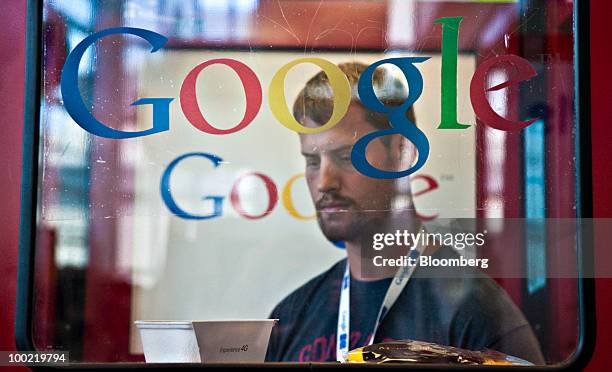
[272, 196]
[252, 90]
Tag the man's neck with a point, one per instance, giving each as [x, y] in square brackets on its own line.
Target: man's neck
[355, 259]
[361, 249]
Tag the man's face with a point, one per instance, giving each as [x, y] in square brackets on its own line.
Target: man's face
[346, 201]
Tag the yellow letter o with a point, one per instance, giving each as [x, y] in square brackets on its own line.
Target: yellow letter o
[341, 95]
[288, 201]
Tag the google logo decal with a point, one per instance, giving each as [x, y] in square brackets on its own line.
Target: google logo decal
[518, 69]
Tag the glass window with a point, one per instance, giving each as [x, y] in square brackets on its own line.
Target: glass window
[214, 160]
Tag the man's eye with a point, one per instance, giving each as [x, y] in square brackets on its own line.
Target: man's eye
[344, 158]
[312, 162]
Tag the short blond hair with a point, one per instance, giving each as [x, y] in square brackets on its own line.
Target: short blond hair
[315, 100]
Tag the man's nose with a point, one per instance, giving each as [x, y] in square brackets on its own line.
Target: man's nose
[329, 176]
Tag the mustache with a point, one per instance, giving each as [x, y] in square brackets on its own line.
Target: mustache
[330, 199]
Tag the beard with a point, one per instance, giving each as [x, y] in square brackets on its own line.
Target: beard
[344, 226]
[341, 219]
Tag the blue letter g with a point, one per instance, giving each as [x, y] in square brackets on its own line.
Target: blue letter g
[74, 103]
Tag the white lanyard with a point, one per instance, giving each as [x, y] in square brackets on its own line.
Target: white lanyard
[401, 278]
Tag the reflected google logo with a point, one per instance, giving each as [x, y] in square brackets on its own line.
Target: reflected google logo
[271, 190]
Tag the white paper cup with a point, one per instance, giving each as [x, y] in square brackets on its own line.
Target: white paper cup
[211, 341]
[168, 341]
[233, 340]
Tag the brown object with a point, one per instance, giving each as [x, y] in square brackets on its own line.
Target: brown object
[408, 351]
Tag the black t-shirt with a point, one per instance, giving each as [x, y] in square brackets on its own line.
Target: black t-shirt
[462, 308]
